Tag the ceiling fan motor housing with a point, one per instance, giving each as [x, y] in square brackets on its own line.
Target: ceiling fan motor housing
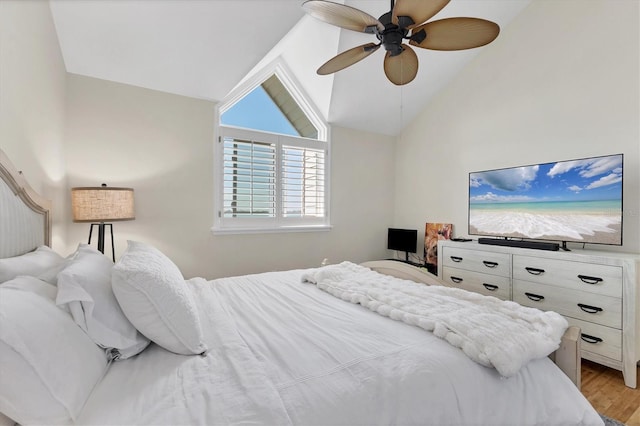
[392, 36]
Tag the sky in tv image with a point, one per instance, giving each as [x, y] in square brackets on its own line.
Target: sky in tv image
[577, 200]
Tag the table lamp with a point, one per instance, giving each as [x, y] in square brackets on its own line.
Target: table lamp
[101, 205]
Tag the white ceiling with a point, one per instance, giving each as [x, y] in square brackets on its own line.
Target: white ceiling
[204, 48]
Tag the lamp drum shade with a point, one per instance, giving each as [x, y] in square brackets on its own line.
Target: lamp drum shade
[102, 204]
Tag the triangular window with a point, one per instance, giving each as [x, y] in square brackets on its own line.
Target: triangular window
[272, 160]
[270, 108]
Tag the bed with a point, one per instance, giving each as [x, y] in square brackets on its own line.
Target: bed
[273, 348]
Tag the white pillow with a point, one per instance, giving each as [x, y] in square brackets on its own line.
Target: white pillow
[33, 263]
[84, 285]
[153, 295]
[51, 274]
[49, 365]
[33, 285]
[23, 395]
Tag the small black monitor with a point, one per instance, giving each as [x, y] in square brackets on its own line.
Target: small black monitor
[405, 240]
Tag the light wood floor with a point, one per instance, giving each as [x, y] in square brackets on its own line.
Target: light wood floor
[604, 388]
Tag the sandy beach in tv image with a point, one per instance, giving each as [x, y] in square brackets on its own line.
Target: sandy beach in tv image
[577, 200]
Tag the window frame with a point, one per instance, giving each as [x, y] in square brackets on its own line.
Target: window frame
[280, 70]
[279, 222]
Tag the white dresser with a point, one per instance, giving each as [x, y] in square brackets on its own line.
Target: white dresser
[595, 290]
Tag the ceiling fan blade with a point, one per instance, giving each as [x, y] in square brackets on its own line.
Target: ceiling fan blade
[347, 58]
[401, 69]
[340, 15]
[455, 34]
[418, 10]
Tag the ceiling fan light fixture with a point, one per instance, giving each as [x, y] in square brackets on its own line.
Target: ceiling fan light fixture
[392, 41]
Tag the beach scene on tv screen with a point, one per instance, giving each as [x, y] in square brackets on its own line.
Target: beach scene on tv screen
[577, 200]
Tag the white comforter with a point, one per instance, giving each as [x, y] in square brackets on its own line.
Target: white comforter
[492, 332]
[283, 353]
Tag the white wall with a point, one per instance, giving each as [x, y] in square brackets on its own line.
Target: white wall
[32, 96]
[162, 146]
[561, 82]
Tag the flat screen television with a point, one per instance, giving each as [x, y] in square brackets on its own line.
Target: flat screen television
[405, 240]
[568, 201]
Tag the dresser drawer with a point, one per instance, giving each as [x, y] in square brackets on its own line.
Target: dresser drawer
[599, 339]
[489, 285]
[593, 278]
[475, 260]
[604, 310]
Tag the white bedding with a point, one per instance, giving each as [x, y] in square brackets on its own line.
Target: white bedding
[282, 352]
[493, 332]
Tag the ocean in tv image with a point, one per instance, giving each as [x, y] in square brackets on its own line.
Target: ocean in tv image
[576, 200]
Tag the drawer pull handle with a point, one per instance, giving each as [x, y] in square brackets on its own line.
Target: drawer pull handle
[456, 259]
[589, 309]
[589, 280]
[534, 271]
[456, 279]
[590, 339]
[490, 287]
[534, 297]
[489, 264]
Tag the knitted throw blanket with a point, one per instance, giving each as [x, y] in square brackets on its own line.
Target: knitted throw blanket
[490, 331]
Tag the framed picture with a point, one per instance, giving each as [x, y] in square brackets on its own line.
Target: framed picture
[432, 234]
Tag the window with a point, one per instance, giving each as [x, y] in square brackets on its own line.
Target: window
[269, 177]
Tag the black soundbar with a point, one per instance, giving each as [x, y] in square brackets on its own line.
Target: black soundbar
[538, 245]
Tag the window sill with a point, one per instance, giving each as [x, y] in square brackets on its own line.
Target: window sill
[283, 230]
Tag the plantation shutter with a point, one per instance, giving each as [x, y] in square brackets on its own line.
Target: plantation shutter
[249, 175]
[303, 180]
[268, 181]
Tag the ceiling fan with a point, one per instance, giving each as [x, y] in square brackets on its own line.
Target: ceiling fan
[407, 20]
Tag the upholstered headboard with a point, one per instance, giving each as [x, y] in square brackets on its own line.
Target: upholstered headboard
[25, 218]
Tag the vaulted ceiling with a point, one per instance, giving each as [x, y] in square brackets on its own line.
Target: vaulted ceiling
[205, 48]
